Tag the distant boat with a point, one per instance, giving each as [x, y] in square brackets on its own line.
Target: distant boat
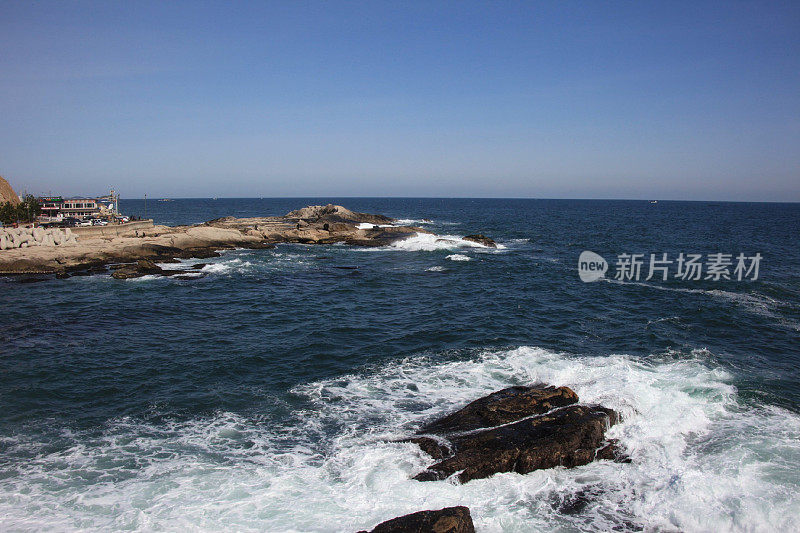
[165, 200]
[214, 198]
[653, 201]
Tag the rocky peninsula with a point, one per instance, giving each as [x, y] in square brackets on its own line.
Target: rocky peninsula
[135, 251]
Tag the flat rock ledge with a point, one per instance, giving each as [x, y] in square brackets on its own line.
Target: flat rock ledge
[447, 520]
[318, 224]
[518, 429]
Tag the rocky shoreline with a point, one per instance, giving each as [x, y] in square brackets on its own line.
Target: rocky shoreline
[138, 250]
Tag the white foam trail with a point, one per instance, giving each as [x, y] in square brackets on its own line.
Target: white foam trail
[759, 304]
[458, 257]
[428, 242]
[175, 266]
[226, 266]
[413, 222]
[367, 225]
[703, 460]
[147, 277]
[435, 269]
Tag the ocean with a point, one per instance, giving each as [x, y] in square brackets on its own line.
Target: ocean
[265, 395]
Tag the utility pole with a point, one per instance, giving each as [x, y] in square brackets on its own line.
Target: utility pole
[114, 206]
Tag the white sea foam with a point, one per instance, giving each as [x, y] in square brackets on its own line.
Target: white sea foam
[399, 222]
[413, 222]
[458, 257]
[147, 277]
[702, 459]
[219, 268]
[436, 268]
[428, 242]
[367, 225]
[183, 265]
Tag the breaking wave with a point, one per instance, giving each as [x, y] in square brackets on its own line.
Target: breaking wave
[413, 221]
[703, 459]
[428, 242]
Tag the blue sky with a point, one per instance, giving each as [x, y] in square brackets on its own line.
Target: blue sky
[672, 100]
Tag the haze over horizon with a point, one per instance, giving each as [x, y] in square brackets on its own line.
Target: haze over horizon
[684, 101]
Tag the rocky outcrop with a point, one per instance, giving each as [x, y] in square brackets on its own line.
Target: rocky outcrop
[481, 239]
[336, 213]
[204, 237]
[7, 193]
[447, 520]
[519, 429]
[502, 407]
[317, 224]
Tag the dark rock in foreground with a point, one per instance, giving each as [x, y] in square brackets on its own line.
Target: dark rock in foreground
[567, 437]
[535, 428]
[481, 239]
[447, 520]
[502, 407]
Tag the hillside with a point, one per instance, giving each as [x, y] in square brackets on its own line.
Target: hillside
[7, 194]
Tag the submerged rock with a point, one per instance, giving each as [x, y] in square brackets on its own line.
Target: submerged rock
[481, 239]
[447, 520]
[206, 252]
[143, 267]
[189, 277]
[32, 279]
[519, 429]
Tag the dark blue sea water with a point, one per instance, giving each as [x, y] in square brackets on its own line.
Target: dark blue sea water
[262, 396]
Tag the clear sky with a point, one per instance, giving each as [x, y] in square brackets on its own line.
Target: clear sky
[670, 100]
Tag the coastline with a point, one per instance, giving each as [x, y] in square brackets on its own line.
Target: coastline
[96, 251]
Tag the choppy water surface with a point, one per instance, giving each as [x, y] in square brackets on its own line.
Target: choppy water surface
[261, 397]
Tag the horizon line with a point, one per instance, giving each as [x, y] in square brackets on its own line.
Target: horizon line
[158, 198]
